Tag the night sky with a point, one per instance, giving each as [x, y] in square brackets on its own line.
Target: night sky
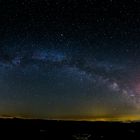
[70, 59]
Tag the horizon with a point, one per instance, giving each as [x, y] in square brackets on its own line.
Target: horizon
[79, 118]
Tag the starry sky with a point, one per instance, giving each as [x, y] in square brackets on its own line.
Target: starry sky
[70, 59]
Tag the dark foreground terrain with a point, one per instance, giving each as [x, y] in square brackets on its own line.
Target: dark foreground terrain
[67, 130]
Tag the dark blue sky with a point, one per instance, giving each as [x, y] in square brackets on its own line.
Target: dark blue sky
[70, 59]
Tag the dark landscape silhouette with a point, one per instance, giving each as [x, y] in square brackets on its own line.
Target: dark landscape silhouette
[68, 130]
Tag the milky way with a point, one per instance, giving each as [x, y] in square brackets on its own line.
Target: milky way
[56, 81]
[58, 61]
